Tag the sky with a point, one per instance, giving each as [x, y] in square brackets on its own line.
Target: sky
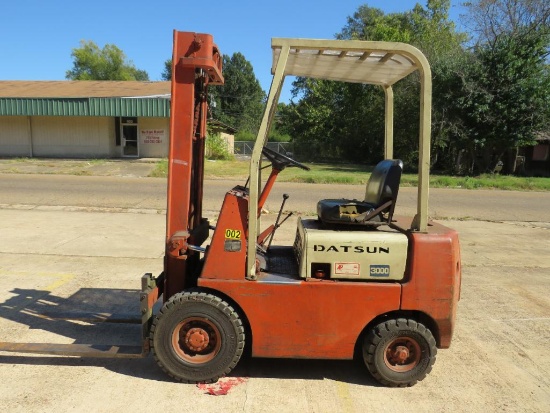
[37, 36]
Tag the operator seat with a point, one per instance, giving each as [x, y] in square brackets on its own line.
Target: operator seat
[378, 206]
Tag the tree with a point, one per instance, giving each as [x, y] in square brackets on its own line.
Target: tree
[349, 118]
[110, 63]
[508, 100]
[488, 19]
[369, 23]
[239, 101]
[507, 88]
[167, 72]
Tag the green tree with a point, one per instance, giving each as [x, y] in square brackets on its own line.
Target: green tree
[110, 63]
[435, 34]
[369, 23]
[349, 118]
[239, 101]
[506, 91]
[508, 100]
[167, 72]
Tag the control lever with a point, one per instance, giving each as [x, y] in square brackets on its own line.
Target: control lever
[277, 223]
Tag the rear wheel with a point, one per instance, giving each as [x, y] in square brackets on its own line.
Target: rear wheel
[399, 352]
[197, 337]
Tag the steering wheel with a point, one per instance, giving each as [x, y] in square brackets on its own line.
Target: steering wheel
[280, 161]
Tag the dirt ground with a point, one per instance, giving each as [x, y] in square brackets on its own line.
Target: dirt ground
[59, 260]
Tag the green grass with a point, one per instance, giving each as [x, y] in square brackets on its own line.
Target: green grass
[96, 161]
[161, 169]
[488, 181]
[54, 161]
[359, 174]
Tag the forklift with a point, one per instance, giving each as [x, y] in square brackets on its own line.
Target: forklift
[357, 279]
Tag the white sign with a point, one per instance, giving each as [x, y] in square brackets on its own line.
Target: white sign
[152, 135]
[346, 268]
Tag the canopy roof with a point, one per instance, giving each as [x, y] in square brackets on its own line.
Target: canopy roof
[355, 61]
[378, 63]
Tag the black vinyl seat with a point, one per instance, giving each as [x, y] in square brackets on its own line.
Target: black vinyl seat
[379, 203]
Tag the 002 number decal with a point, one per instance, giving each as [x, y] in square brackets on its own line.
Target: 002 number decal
[232, 234]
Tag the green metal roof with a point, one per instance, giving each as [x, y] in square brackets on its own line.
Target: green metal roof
[140, 107]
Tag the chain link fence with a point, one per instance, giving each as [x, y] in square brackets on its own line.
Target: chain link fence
[245, 148]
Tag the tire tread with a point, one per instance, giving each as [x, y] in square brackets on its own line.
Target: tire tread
[388, 328]
[214, 301]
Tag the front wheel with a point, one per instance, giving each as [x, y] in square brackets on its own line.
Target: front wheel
[399, 352]
[197, 337]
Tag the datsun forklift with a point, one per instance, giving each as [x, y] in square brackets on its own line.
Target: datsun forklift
[357, 280]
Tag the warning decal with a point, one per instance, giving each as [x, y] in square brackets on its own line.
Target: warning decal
[346, 268]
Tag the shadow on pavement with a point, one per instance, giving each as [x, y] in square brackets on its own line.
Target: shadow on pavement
[105, 317]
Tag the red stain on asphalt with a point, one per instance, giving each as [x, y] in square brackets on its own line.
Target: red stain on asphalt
[222, 386]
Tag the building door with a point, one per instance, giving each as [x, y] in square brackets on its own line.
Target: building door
[130, 145]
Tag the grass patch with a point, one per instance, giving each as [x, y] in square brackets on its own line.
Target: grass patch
[54, 161]
[96, 161]
[488, 181]
[160, 170]
[16, 160]
[213, 169]
[351, 174]
[485, 181]
[222, 169]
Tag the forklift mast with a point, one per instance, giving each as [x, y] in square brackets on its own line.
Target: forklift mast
[196, 64]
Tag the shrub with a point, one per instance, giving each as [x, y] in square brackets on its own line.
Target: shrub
[216, 148]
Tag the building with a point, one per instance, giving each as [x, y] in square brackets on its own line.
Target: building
[84, 119]
[537, 158]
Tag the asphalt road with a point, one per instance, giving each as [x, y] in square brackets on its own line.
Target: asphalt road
[150, 193]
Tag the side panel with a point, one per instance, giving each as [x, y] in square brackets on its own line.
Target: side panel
[375, 255]
[308, 319]
[434, 284]
[226, 256]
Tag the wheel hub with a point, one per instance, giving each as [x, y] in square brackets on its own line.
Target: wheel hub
[197, 339]
[402, 354]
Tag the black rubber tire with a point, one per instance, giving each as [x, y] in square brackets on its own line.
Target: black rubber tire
[378, 346]
[211, 315]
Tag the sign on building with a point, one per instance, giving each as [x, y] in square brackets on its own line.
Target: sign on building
[152, 136]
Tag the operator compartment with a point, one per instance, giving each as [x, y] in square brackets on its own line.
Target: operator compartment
[351, 254]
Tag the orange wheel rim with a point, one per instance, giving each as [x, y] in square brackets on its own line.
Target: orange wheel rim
[196, 340]
[402, 354]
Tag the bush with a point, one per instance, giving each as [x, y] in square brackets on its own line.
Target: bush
[245, 136]
[216, 148]
[276, 136]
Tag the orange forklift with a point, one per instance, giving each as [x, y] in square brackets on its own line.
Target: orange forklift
[357, 280]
